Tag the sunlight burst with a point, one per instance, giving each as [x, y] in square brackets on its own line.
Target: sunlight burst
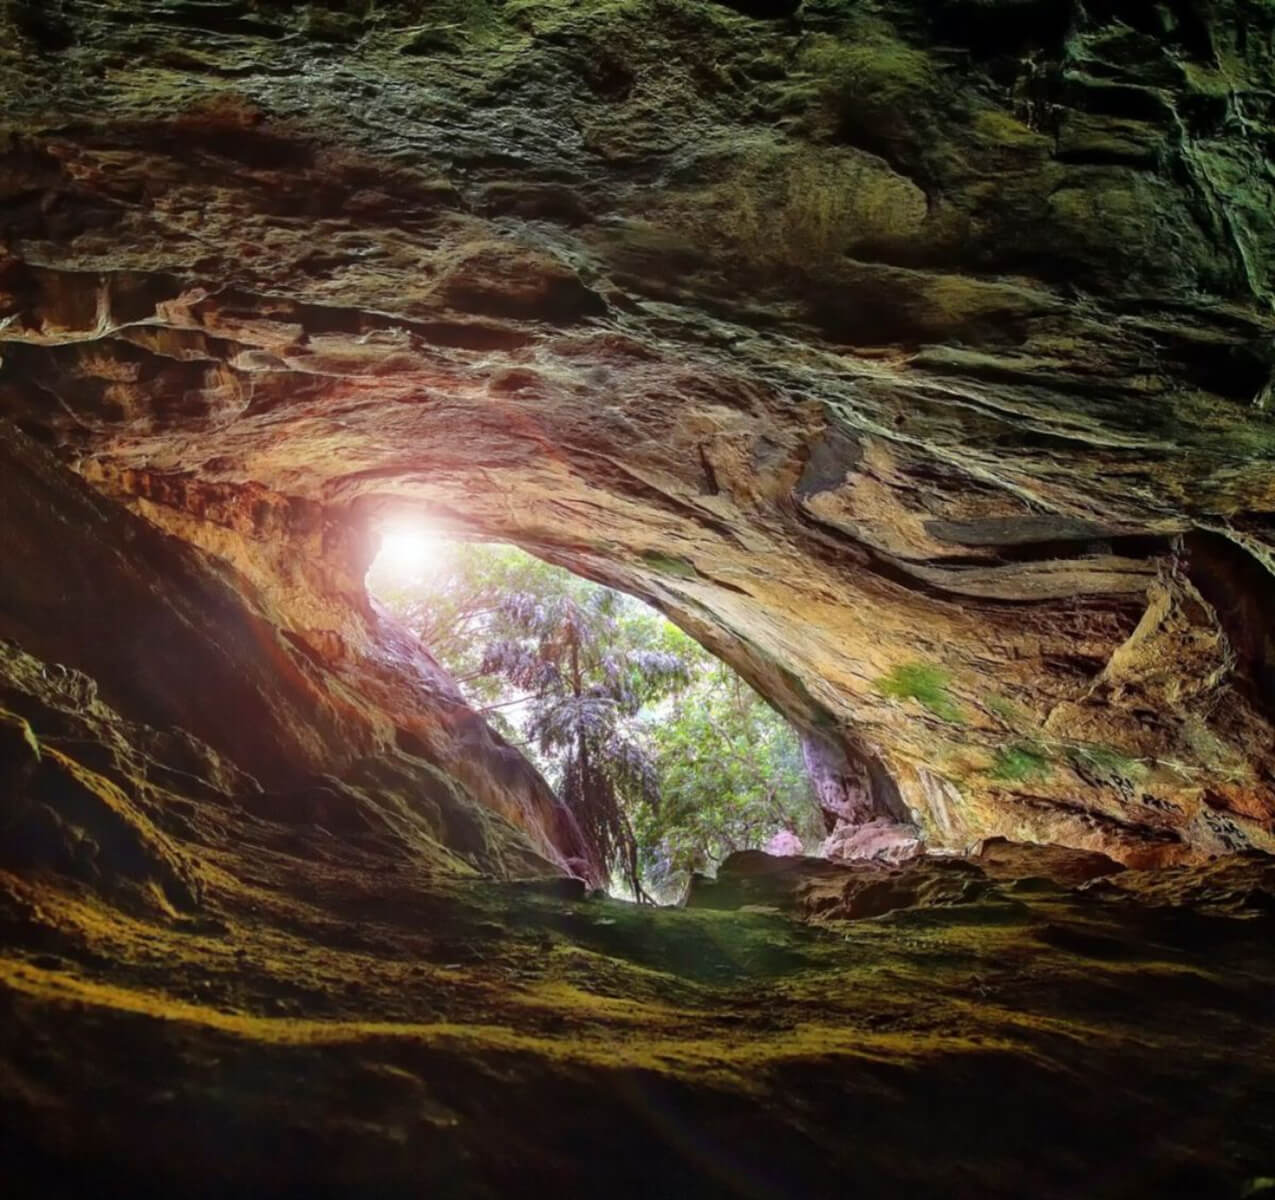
[409, 552]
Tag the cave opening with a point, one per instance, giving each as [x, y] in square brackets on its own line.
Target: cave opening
[664, 755]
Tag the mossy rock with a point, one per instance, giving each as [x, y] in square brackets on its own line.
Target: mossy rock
[668, 564]
[1021, 762]
[1105, 765]
[925, 683]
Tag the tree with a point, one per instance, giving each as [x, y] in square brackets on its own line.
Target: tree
[731, 776]
[587, 676]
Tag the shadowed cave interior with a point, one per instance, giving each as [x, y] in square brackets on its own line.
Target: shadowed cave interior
[913, 359]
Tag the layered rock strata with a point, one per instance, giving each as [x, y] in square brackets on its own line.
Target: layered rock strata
[916, 358]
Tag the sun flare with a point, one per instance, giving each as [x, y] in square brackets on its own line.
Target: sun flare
[408, 552]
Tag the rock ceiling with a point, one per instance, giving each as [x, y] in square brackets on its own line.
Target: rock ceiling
[915, 357]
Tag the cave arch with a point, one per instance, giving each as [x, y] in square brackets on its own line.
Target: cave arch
[912, 457]
[852, 809]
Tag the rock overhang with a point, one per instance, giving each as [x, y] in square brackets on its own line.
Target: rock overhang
[918, 372]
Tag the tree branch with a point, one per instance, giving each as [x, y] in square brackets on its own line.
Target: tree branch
[507, 703]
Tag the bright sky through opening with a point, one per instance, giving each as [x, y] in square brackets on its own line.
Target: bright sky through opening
[408, 552]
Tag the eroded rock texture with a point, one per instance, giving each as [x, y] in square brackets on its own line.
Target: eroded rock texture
[242, 1003]
[158, 668]
[916, 357]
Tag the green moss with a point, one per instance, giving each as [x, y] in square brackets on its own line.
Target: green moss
[926, 684]
[1002, 128]
[872, 80]
[1021, 762]
[18, 744]
[1007, 711]
[669, 564]
[453, 23]
[805, 207]
[1213, 754]
[1106, 764]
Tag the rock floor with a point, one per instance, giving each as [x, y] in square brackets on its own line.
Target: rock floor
[329, 1021]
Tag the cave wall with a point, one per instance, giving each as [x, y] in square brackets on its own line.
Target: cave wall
[180, 670]
[915, 358]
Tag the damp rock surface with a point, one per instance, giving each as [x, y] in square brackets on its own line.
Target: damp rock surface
[336, 1016]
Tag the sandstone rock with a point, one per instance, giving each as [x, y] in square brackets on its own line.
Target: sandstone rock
[56, 815]
[926, 344]
[784, 843]
[1240, 885]
[172, 643]
[915, 357]
[1002, 859]
[883, 840]
[818, 889]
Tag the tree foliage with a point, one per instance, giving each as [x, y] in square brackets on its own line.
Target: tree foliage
[731, 776]
[667, 759]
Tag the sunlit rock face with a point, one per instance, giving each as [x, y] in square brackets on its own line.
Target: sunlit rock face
[915, 359]
[139, 674]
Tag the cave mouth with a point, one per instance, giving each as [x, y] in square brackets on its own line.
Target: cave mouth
[666, 757]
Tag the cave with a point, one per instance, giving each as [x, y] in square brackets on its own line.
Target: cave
[916, 359]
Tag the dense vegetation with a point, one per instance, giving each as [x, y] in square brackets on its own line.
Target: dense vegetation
[668, 760]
